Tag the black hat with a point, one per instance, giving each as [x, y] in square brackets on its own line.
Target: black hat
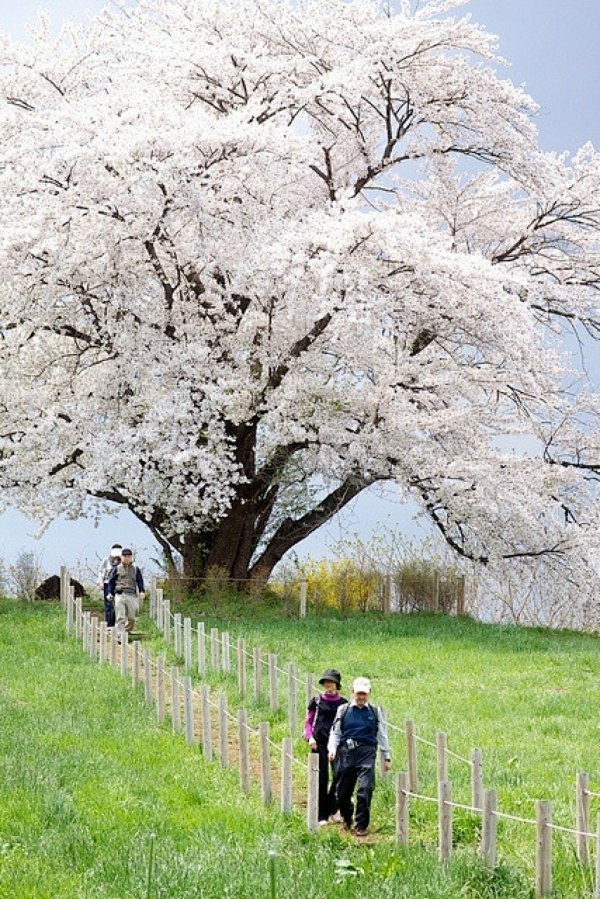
[332, 674]
[126, 552]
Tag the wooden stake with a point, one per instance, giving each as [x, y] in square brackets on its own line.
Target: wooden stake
[402, 816]
[286, 774]
[543, 856]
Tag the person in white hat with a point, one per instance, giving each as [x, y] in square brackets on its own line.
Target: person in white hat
[358, 729]
[113, 558]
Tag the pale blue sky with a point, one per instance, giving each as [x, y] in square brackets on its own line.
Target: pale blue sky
[553, 48]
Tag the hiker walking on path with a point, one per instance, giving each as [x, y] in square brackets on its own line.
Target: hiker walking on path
[126, 585]
[319, 719]
[358, 729]
[112, 559]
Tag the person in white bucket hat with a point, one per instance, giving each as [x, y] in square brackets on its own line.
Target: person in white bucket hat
[358, 729]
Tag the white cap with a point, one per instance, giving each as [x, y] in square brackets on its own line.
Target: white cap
[361, 685]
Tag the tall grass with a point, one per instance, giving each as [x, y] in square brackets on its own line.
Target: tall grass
[99, 801]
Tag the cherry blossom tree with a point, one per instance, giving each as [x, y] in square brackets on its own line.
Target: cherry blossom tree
[258, 255]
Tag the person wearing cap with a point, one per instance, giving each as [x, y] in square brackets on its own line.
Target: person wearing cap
[317, 726]
[126, 585]
[113, 558]
[358, 729]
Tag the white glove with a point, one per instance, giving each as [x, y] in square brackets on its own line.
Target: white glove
[142, 597]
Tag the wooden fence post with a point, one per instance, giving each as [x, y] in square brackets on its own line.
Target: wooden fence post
[241, 666]
[135, 672]
[303, 596]
[64, 584]
[582, 821]
[147, 676]
[243, 748]
[206, 723]
[175, 705]
[201, 649]
[152, 600]
[265, 762]
[85, 631]
[113, 647]
[476, 779]
[312, 803]
[78, 619]
[188, 710]
[160, 689]
[177, 635]
[445, 820]
[167, 622]
[214, 648]
[543, 855]
[223, 732]
[124, 653]
[70, 605]
[489, 829]
[225, 653]
[286, 774]
[187, 644]
[257, 674]
[411, 755]
[94, 639]
[102, 646]
[273, 697]
[402, 817]
[387, 594]
[159, 608]
[441, 743]
[292, 712]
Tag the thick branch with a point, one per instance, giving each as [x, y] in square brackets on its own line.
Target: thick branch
[292, 531]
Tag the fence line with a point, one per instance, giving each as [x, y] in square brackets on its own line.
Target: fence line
[94, 641]
[145, 670]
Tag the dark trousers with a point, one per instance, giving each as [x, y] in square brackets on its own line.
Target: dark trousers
[327, 791]
[352, 766]
[109, 609]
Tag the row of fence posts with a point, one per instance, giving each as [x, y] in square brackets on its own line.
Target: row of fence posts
[102, 645]
[94, 637]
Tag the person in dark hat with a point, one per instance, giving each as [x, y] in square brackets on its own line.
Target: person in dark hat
[319, 719]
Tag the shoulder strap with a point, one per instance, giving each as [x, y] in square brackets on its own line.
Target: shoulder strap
[342, 709]
[317, 700]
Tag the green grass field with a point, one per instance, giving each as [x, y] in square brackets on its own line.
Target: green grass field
[99, 801]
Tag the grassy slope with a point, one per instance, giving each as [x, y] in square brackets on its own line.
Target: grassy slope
[87, 776]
